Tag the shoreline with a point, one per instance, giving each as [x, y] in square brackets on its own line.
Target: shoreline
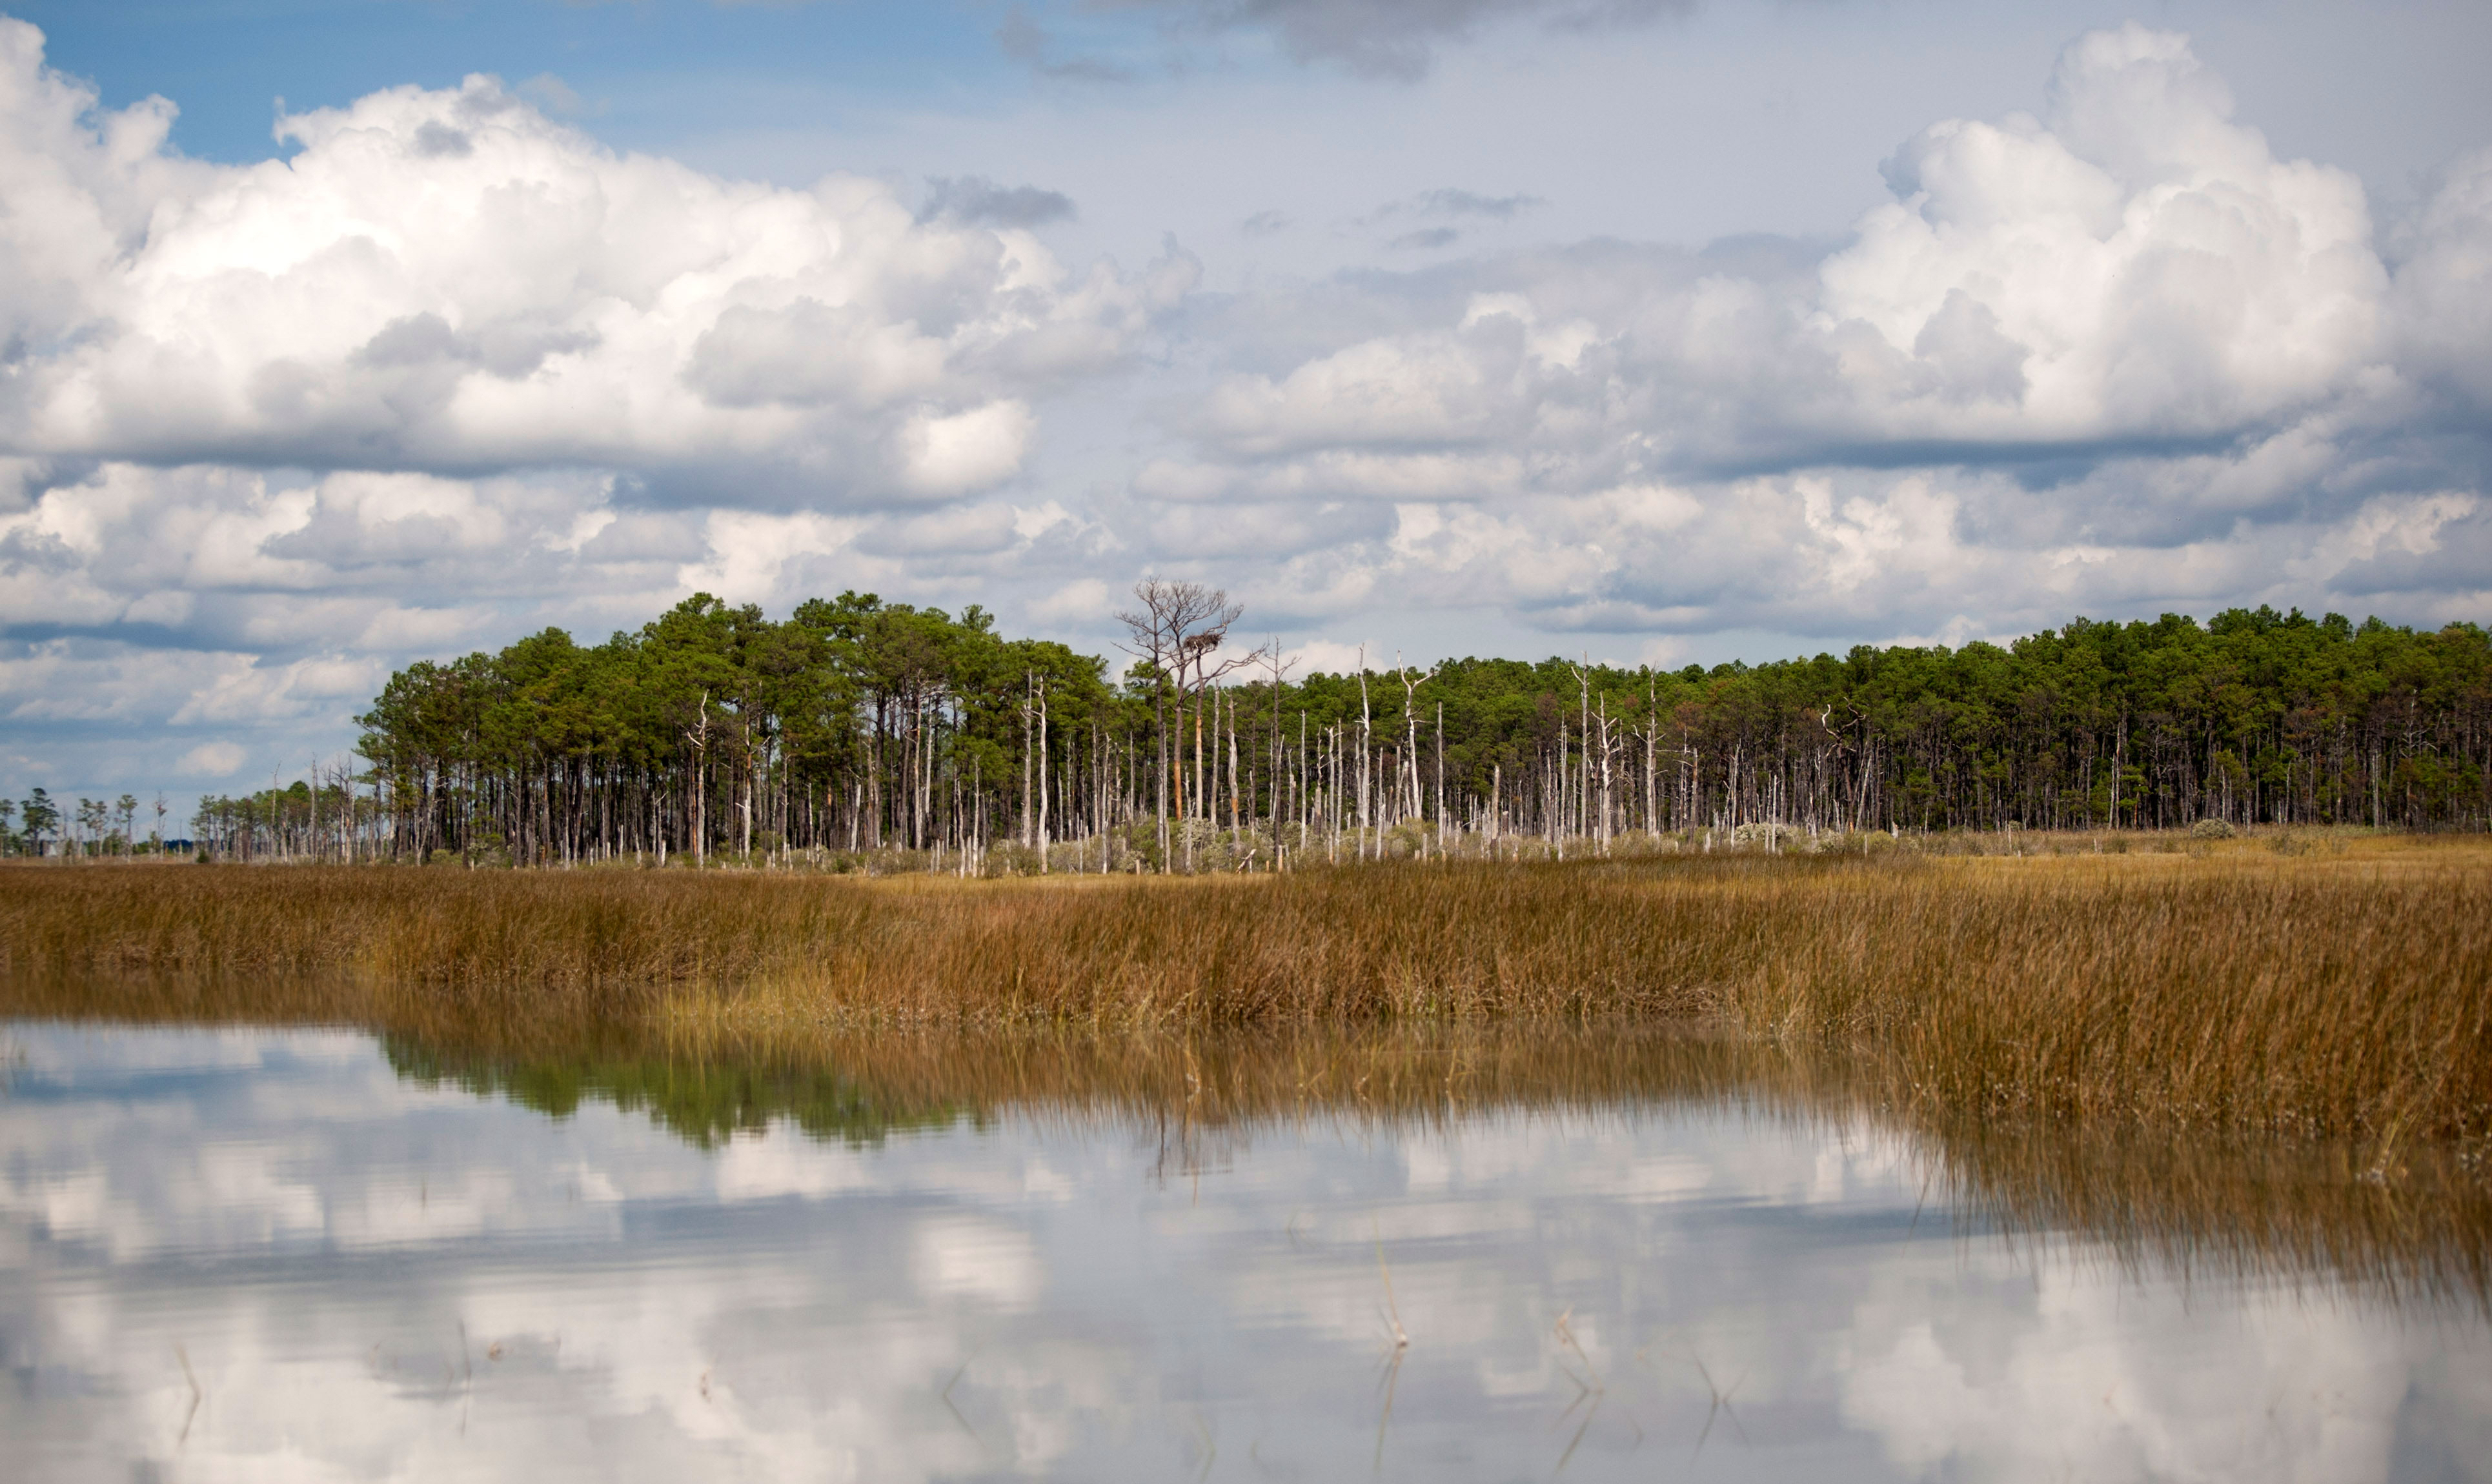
[1250, 852]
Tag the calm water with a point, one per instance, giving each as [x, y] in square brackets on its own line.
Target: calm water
[279, 1255]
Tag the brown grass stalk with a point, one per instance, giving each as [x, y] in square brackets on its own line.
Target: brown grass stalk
[2326, 995]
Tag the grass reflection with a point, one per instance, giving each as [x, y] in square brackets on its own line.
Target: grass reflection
[2412, 1224]
[2405, 1218]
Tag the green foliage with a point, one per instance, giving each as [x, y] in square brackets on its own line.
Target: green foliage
[856, 725]
[705, 1103]
[42, 818]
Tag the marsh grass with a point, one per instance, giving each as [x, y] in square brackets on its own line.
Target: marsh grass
[2328, 994]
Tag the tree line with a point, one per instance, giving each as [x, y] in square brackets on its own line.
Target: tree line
[39, 825]
[855, 727]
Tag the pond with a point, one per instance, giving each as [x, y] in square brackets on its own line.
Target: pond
[283, 1253]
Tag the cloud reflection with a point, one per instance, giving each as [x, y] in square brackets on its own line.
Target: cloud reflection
[373, 1275]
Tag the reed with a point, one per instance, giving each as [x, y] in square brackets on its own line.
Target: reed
[2323, 994]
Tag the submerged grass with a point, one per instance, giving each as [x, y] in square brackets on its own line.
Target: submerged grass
[2338, 994]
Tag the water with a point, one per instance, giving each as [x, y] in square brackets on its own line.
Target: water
[277, 1254]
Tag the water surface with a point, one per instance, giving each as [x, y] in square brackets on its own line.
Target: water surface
[280, 1254]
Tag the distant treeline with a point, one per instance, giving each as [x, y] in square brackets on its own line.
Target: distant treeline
[39, 825]
[858, 725]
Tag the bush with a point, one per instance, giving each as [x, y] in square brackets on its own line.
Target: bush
[1768, 836]
[2212, 830]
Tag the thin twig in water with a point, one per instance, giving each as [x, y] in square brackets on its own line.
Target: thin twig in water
[1585, 1426]
[1393, 1357]
[1721, 1406]
[1393, 1311]
[1566, 1337]
[1392, 1380]
[195, 1395]
[1592, 1390]
[947, 1394]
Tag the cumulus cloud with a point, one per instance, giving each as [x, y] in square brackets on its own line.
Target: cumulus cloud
[2035, 282]
[454, 370]
[449, 280]
[211, 760]
[2440, 313]
[2135, 263]
[2115, 354]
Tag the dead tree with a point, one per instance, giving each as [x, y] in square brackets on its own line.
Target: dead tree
[1177, 629]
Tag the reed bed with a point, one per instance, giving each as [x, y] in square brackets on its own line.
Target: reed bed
[2325, 994]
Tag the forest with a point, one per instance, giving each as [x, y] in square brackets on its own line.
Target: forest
[855, 726]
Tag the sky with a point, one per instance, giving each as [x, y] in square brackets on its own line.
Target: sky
[341, 334]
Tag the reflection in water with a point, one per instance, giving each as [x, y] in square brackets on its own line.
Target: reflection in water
[2413, 1224]
[294, 1253]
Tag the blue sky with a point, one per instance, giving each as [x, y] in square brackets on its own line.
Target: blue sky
[1651, 330]
[653, 72]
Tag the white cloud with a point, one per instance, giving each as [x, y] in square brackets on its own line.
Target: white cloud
[2134, 266]
[1331, 656]
[2115, 355]
[450, 281]
[747, 552]
[967, 451]
[2444, 293]
[212, 760]
[1078, 601]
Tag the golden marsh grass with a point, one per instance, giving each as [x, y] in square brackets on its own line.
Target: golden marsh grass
[2324, 994]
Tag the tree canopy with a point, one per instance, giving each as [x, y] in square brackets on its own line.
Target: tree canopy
[855, 724]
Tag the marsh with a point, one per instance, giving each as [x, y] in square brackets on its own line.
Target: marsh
[2123, 1166]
